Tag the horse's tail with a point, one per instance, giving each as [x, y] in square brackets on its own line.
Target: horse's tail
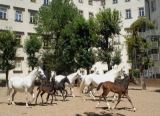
[82, 85]
[99, 86]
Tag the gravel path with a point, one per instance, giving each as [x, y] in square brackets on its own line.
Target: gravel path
[147, 103]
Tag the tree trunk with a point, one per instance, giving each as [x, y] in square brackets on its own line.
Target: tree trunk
[143, 82]
[7, 77]
[88, 70]
[109, 66]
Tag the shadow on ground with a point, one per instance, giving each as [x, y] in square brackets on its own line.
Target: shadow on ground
[101, 114]
[157, 90]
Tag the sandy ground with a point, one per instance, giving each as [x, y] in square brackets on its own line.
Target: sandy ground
[147, 103]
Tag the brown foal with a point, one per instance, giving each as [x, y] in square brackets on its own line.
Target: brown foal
[120, 88]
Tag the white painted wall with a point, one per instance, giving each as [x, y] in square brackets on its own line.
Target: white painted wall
[29, 28]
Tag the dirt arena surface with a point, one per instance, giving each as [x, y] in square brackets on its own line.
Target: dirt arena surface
[147, 103]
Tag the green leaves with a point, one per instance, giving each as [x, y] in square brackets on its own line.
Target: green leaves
[137, 46]
[32, 46]
[8, 49]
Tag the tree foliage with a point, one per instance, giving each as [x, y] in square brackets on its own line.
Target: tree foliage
[69, 34]
[138, 47]
[32, 46]
[108, 22]
[8, 47]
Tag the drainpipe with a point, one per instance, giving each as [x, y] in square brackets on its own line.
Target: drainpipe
[149, 15]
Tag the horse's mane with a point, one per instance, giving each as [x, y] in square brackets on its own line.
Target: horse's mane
[71, 75]
[32, 72]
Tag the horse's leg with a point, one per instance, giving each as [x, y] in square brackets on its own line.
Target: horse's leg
[72, 92]
[37, 96]
[66, 94]
[119, 99]
[8, 94]
[42, 96]
[47, 97]
[62, 92]
[33, 96]
[104, 94]
[104, 97]
[26, 93]
[129, 99]
[91, 94]
[114, 98]
[99, 100]
[14, 93]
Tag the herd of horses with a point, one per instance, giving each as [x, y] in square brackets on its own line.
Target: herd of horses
[108, 82]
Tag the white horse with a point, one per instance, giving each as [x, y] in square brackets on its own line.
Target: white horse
[71, 77]
[24, 84]
[92, 80]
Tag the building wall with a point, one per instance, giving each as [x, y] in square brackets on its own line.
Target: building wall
[153, 13]
[25, 28]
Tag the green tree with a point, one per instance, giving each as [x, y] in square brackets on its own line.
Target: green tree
[32, 46]
[68, 33]
[85, 39]
[138, 46]
[8, 47]
[108, 22]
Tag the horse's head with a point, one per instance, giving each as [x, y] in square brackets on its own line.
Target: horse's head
[132, 80]
[41, 74]
[66, 80]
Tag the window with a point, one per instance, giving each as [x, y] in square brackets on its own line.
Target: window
[127, 0]
[81, 12]
[141, 11]
[3, 13]
[90, 2]
[103, 2]
[115, 1]
[91, 14]
[128, 14]
[32, 19]
[80, 1]
[46, 2]
[33, 1]
[18, 16]
[153, 5]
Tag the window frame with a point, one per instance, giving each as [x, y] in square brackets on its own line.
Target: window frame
[45, 2]
[91, 14]
[90, 2]
[128, 13]
[141, 11]
[127, 0]
[33, 1]
[103, 2]
[19, 16]
[81, 12]
[80, 1]
[32, 15]
[115, 1]
[4, 12]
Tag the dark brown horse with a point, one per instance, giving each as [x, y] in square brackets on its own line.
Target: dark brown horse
[121, 88]
[51, 88]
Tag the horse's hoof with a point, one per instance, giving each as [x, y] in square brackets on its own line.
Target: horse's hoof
[113, 107]
[13, 103]
[29, 102]
[28, 107]
[134, 109]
